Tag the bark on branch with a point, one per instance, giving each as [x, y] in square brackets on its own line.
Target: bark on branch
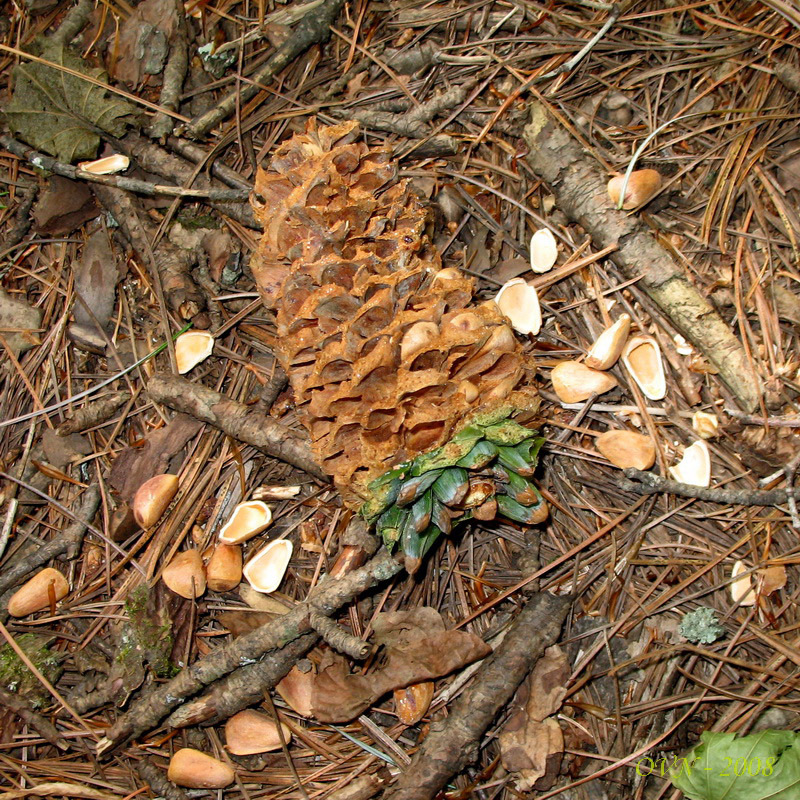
[235, 419]
[648, 483]
[580, 188]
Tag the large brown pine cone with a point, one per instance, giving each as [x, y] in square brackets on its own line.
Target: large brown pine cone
[385, 351]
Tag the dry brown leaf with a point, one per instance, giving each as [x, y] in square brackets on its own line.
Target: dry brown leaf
[18, 321]
[771, 579]
[415, 648]
[531, 741]
[135, 465]
[143, 42]
[63, 450]
[63, 206]
[96, 276]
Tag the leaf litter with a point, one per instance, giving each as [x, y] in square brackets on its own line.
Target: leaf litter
[634, 567]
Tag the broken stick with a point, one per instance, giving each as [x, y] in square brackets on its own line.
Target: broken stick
[580, 189]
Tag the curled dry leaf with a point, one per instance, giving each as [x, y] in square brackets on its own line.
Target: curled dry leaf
[544, 250]
[742, 590]
[250, 732]
[18, 322]
[519, 301]
[705, 425]
[627, 449]
[695, 466]
[642, 185]
[196, 770]
[265, 571]
[191, 348]
[607, 348]
[642, 358]
[152, 499]
[531, 742]
[185, 574]
[417, 648]
[36, 593]
[248, 520]
[574, 382]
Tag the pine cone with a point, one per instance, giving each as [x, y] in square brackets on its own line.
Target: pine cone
[398, 377]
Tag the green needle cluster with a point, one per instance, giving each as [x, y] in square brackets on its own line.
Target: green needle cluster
[482, 472]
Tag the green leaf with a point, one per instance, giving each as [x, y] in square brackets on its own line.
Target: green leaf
[760, 766]
[511, 509]
[447, 454]
[522, 490]
[384, 491]
[420, 512]
[390, 525]
[62, 114]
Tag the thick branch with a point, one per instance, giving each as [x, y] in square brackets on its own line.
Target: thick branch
[580, 190]
[236, 420]
[135, 185]
[452, 743]
[42, 726]
[174, 75]
[243, 687]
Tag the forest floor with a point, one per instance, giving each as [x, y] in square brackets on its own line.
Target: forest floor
[504, 117]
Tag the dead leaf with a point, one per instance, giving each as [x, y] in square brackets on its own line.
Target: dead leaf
[762, 450]
[786, 302]
[531, 742]
[134, 465]
[63, 450]
[18, 321]
[770, 579]
[789, 172]
[510, 268]
[96, 276]
[219, 245]
[415, 647]
[240, 622]
[262, 602]
[548, 683]
[63, 206]
[60, 113]
[535, 755]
